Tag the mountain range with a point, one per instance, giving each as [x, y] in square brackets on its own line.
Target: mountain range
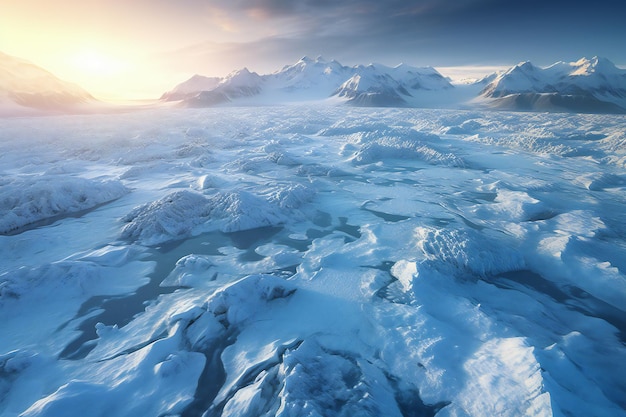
[24, 86]
[593, 85]
[306, 80]
[587, 86]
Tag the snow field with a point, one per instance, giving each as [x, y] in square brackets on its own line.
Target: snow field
[311, 261]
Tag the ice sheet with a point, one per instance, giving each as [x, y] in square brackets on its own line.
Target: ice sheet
[313, 261]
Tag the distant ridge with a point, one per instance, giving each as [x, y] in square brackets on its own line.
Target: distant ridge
[24, 85]
[308, 79]
[586, 86]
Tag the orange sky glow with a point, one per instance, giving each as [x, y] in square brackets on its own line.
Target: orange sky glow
[110, 48]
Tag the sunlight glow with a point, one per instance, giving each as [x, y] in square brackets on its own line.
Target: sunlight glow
[92, 62]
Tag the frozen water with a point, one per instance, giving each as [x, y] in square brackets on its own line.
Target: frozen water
[313, 261]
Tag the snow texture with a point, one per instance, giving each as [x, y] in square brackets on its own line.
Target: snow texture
[313, 260]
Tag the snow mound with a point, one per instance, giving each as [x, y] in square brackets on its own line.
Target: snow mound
[149, 374]
[174, 216]
[241, 300]
[190, 271]
[241, 210]
[293, 387]
[464, 252]
[505, 368]
[26, 200]
[186, 213]
[291, 196]
[414, 145]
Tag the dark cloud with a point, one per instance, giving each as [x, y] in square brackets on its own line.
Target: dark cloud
[427, 32]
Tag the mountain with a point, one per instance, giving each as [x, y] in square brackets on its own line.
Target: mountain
[238, 84]
[24, 85]
[587, 86]
[308, 79]
[382, 86]
[191, 87]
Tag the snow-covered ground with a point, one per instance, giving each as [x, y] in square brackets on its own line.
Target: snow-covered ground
[313, 261]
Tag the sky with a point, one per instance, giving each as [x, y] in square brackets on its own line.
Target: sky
[130, 49]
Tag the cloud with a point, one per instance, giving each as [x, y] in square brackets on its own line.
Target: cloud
[266, 34]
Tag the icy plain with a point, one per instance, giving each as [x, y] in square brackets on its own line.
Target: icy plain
[313, 261]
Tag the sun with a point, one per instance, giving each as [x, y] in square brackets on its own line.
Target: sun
[92, 62]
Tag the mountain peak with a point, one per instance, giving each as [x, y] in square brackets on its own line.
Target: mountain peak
[524, 66]
[586, 66]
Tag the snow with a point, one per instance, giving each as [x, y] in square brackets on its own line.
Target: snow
[311, 260]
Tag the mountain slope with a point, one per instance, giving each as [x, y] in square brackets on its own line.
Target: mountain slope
[308, 79]
[23, 84]
[588, 86]
[191, 87]
[238, 84]
[382, 86]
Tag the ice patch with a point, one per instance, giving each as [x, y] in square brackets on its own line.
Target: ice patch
[27, 200]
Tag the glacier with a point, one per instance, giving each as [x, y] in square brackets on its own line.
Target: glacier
[311, 260]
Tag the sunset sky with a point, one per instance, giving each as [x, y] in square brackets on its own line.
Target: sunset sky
[141, 48]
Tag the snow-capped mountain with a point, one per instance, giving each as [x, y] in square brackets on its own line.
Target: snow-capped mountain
[23, 84]
[587, 85]
[308, 79]
[237, 84]
[379, 85]
[191, 87]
